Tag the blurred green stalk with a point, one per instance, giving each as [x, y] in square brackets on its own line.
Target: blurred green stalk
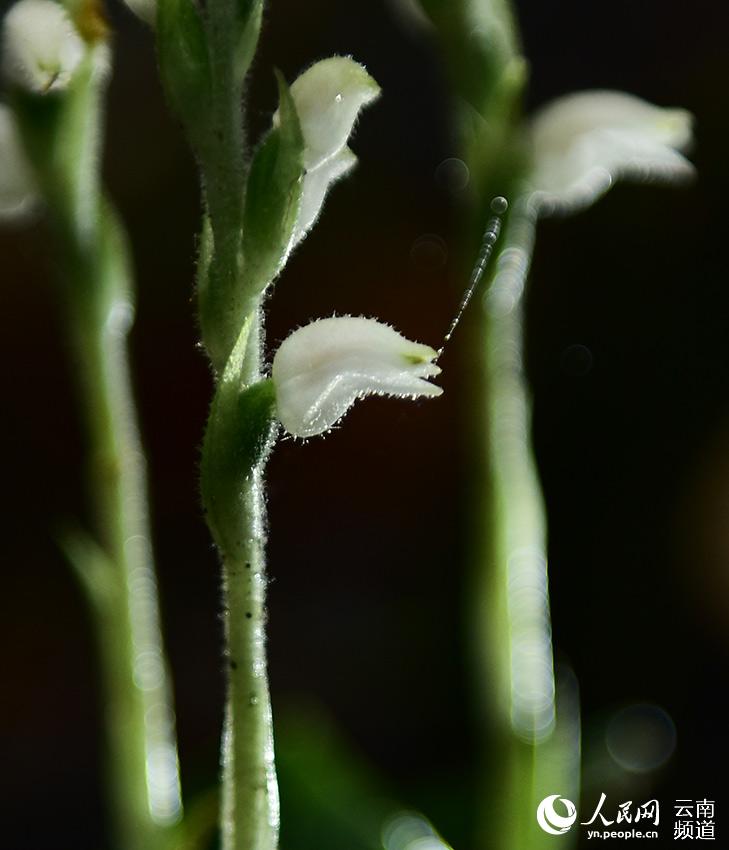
[537, 748]
[530, 753]
[63, 135]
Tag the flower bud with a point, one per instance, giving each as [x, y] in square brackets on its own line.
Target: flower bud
[320, 370]
[583, 142]
[17, 187]
[41, 46]
[328, 98]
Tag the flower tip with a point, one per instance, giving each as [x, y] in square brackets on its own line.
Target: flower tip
[677, 127]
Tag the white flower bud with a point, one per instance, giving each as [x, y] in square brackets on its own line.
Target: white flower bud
[583, 142]
[323, 368]
[41, 47]
[328, 98]
[17, 187]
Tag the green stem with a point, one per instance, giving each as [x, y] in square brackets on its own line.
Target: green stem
[511, 620]
[237, 436]
[250, 816]
[539, 750]
[237, 439]
[63, 138]
[141, 747]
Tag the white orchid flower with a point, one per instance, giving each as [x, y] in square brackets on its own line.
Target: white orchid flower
[328, 98]
[583, 142]
[320, 370]
[41, 47]
[18, 191]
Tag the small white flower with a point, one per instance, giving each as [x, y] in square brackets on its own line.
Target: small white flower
[323, 368]
[582, 142]
[41, 46]
[17, 187]
[328, 98]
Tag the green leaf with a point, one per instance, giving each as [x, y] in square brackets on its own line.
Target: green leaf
[239, 435]
[331, 798]
[273, 197]
[197, 830]
[91, 565]
[249, 14]
[184, 61]
[482, 42]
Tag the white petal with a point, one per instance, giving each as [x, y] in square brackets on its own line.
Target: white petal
[41, 47]
[315, 188]
[323, 368]
[17, 187]
[583, 142]
[328, 98]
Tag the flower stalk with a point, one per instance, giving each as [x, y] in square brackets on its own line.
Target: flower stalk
[560, 161]
[60, 127]
[204, 82]
[255, 213]
[510, 623]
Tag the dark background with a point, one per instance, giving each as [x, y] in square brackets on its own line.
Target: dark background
[367, 552]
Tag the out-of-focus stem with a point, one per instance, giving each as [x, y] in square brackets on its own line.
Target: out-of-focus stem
[512, 613]
[141, 748]
[511, 622]
[64, 140]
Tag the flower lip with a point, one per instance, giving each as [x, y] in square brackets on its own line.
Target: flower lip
[321, 369]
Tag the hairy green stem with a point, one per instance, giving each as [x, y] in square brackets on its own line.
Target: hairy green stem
[237, 439]
[238, 431]
[223, 169]
[250, 793]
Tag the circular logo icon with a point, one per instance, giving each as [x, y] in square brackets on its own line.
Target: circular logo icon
[550, 821]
